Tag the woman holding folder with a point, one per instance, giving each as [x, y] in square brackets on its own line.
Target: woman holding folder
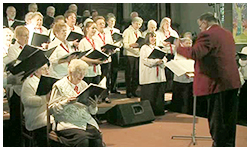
[94, 70]
[35, 107]
[152, 76]
[164, 33]
[73, 121]
[59, 67]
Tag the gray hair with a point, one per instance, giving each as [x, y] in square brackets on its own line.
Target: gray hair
[152, 22]
[51, 8]
[137, 19]
[78, 66]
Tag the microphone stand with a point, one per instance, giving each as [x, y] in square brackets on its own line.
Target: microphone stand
[193, 135]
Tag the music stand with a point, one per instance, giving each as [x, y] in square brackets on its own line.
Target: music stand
[193, 136]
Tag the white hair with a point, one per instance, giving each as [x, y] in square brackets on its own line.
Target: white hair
[78, 66]
[152, 22]
[137, 19]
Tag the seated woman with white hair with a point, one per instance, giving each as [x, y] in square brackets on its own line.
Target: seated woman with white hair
[73, 121]
[152, 26]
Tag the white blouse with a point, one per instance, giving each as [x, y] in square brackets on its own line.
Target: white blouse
[35, 107]
[161, 37]
[31, 29]
[183, 78]
[70, 115]
[56, 69]
[130, 37]
[14, 51]
[149, 72]
[85, 45]
[101, 40]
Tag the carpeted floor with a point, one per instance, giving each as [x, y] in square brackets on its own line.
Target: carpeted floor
[159, 133]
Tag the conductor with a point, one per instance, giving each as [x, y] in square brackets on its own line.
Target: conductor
[216, 77]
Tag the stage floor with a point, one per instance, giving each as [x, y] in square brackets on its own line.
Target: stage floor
[159, 133]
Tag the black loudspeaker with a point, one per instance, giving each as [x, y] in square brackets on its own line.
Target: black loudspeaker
[130, 114]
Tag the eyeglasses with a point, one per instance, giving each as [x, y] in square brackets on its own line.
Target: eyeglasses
[201, 25]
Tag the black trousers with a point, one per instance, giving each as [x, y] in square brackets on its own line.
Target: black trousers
[94, 80]
[41, 136]
[182, 98]
[15, 119]
[243, 102]
[131, 74]
[114, 70]
[154, 92]
[106, 73]
[222, 117]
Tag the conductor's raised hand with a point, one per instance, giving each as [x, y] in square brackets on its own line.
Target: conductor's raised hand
[177, 43]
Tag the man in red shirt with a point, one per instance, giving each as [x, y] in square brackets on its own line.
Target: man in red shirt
[216, 77]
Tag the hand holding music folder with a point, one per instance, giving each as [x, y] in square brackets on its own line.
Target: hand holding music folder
[29, 50]
[79, 54]
[170, 39]
[45, 85]
[140, 41]
[116, 37]
[93, 91]
[29, 64]
[181, 67]
[38, 39]
[157, 54]
[73, 36]
[97, 54]
[109, 48]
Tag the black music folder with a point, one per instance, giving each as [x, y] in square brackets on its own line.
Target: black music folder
[117, 37]
[109, 48]
[17, 23]
[91, 90]
[242, 56]
[27, 51]
[73, 36]
[45, 85]
[79, 54]
[97, 54]
[38, 39]
[29, 65]
[157, 54]
[170, 39]
[140, 41]
[48, 52]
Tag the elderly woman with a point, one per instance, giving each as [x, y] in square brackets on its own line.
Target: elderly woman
[36, 22]
[152, 76]
[35, 107]
[59, 18]
[164, 32]
[152, 26]
[132, 53]
[59, 68]
[7, 39]
[73, 121]
[21, 35]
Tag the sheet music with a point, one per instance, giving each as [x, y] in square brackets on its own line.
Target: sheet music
[180, 67]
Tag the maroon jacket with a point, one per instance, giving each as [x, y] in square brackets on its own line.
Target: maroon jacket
[215, 62]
